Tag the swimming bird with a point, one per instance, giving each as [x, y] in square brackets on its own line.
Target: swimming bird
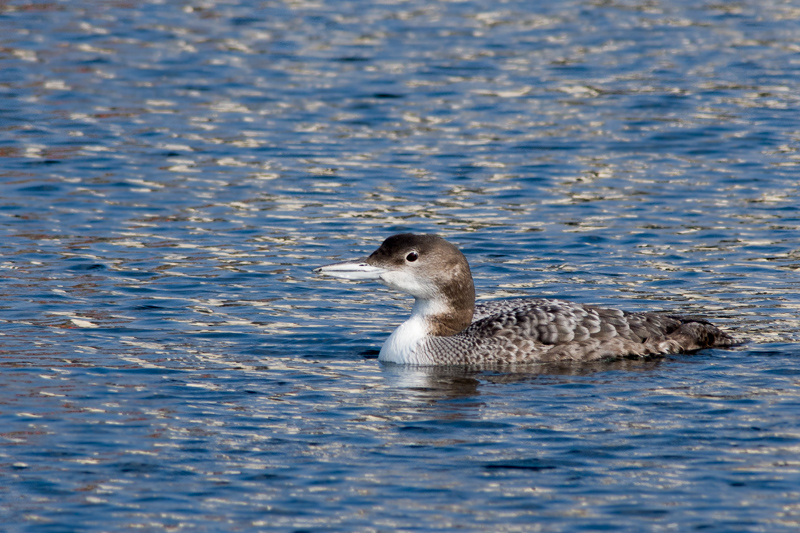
[447, 327]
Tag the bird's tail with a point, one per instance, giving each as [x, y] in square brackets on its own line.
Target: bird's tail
[696, 334]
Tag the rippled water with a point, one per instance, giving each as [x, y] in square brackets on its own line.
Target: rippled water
[172, 171]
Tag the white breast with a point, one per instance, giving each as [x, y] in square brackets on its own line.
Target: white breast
[402, 346]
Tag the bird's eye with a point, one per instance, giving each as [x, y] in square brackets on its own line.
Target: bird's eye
[411, 257]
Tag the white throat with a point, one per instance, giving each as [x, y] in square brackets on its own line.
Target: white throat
[403, 344]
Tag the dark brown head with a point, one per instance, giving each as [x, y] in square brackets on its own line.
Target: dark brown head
[432, 270]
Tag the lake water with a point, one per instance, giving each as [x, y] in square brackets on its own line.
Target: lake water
[173, 171]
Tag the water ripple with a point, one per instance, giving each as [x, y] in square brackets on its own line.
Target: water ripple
[172, 174]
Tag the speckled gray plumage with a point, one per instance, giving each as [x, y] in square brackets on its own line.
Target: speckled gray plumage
[538, 330]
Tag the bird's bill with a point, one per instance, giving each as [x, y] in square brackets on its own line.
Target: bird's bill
[355, 270]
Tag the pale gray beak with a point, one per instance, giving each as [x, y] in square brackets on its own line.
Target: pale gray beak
[358, 269]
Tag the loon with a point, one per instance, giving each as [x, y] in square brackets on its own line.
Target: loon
[447, 327]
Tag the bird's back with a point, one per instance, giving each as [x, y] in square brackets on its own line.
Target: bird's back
[540, 330]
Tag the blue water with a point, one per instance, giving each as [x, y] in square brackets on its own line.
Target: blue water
[171, 172]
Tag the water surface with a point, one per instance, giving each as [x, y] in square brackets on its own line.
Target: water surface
[173, 171]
